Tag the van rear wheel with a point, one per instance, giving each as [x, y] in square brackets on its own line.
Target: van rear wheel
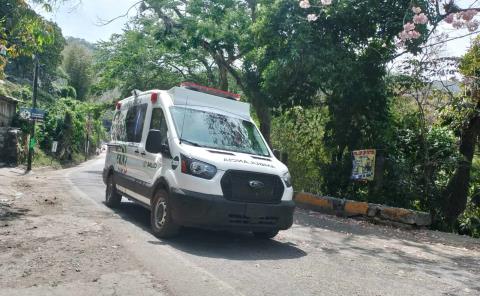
[161, 216]
[265, 234]
[112, 197]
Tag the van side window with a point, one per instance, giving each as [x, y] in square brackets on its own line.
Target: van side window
[159, 122]
[134, 123]
[118, 131]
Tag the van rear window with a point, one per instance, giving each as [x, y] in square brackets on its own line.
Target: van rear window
[128, 125]
[134, 123]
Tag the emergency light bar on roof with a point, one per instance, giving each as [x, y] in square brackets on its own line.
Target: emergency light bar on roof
[210, 91]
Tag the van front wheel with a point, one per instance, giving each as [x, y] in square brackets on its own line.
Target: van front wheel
[161, 216]
[112, 197]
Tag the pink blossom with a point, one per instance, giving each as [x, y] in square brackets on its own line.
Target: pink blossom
[472, 26]
[312, 17]
[449, 18]
[414, 34]
[403, 36]
[408, 27]
[326, 2]
[416, 10]
[457, 24]
[420, 19]
[305, 4]
[468, 15]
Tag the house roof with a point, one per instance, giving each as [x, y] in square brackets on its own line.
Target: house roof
[8, 99]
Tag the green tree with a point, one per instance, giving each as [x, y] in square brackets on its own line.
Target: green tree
[136, 60]
[466, 120]
[23, 32]
[77, 63]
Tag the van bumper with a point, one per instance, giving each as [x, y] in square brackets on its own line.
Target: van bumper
[215, 212]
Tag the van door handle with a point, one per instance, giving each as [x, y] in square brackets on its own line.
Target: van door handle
[143, 153]
[136, 151]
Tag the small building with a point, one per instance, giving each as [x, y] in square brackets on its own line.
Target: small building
[8, 108]
[8, 135]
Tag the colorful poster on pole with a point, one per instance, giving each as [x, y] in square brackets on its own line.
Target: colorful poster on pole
[363, 165]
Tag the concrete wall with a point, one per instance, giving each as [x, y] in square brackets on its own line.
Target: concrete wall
[9, 138]
[8, 107]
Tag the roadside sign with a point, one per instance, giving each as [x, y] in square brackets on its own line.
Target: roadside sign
[54, 146]
[363, 165]
[32, 113]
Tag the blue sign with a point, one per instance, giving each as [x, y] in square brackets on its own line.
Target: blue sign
[32, 113]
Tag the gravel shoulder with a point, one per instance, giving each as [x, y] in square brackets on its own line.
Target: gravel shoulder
[57, 238]
[54, 243]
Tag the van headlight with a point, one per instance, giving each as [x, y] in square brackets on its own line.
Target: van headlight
[287, 179]
[198, 168]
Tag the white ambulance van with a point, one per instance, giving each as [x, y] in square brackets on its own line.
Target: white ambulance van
[193, 156]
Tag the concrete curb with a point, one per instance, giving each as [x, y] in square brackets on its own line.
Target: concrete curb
[350, 208]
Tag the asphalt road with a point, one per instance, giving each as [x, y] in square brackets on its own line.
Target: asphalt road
[319, 255]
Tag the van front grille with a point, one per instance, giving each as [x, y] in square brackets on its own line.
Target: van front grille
[252, 187]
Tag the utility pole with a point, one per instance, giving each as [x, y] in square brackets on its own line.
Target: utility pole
[87, 140]
[31, 144]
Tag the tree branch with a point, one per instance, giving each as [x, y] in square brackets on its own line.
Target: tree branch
[106, 22]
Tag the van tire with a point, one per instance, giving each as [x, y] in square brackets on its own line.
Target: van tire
[112, 197]
[265, 234]
[162, 227]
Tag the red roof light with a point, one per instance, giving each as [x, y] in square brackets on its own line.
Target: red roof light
[154, 97]
[119, 105]
[211, 91]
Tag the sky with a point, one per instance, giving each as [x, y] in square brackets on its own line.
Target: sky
[81, 18]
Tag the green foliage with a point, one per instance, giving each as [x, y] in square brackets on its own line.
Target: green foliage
[77, 63]
[23, 32]
[469, 221]
[135, 60]
[299, 132]
[66, 122]
[49, 57]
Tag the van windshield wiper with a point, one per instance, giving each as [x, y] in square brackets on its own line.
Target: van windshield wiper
[190, 143]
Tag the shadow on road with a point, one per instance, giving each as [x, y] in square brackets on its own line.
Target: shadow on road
[214, 244]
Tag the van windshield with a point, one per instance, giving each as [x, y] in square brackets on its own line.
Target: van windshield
[218, 131]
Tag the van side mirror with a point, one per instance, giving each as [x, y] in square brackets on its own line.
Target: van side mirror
[154, 143]
[165, 150]
[276, 152]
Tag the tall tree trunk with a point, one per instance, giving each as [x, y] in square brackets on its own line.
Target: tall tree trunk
[264, 115]
[222, 75]
[455, 195]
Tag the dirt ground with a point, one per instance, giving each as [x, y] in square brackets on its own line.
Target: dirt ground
[54, 242]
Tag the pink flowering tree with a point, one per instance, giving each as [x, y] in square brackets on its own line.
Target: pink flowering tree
[421, 19]
[412, 27]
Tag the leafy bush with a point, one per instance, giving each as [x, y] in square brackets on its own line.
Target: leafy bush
[416, 167]
[299, 132]
[66, 122]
